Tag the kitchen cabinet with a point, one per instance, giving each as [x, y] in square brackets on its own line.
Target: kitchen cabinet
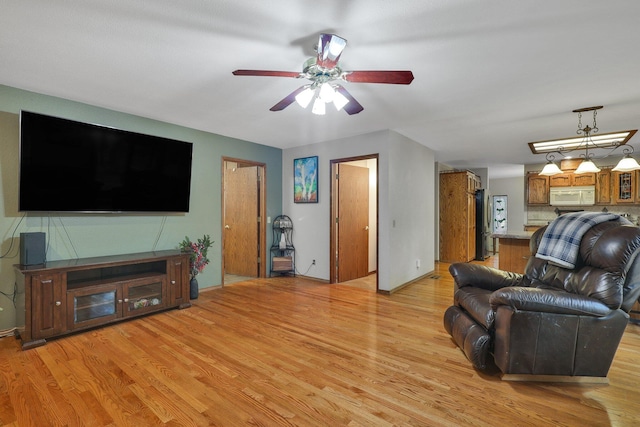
[537, 189]
[570, 179]
[561, 180]
[514, 254]
[634, 314]
[603, 187]
[624, 187]
[458, 216]
[583, 179]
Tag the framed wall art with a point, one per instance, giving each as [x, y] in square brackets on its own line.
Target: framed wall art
[499, 214]
[305, 180]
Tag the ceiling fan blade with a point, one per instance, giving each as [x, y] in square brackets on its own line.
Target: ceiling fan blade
[266, 73]
[353, 107]
[393, 77]
[330, 47]
[287, 100]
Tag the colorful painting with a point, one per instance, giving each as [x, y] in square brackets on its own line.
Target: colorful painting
[305, 180]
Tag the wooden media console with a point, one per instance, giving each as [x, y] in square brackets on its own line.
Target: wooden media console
[62, 297]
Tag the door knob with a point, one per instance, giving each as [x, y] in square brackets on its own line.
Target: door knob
[366, 227]
[227, 226]
[58, 303]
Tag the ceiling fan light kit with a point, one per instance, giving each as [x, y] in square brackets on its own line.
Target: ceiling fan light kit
[588, 141]
[323, 71]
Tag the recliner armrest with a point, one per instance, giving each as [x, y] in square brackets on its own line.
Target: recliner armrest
[481, 276]
[548, 301]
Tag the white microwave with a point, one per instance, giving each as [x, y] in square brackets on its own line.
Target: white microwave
[572, 196]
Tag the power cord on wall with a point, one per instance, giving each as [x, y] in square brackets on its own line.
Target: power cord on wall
[11, 240]
[12, 297]
[309, 268]
[155, 244]
[68, 237]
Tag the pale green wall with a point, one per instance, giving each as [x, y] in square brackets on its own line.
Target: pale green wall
[95, 235]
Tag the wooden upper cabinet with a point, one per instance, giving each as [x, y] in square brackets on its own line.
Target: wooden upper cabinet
[570, 179]
[561, 180]
[473, 183]
[584, 179]
[537, 189]
[603, 187]
[624, 187]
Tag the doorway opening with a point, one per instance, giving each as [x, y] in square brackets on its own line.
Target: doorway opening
[354, 220]
[243, 228]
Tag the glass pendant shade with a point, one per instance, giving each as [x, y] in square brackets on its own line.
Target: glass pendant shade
[304, 98]
[627, 164]
[339, 100]
[319, 107]
[326, 93]
[550, 169]
[587, 166]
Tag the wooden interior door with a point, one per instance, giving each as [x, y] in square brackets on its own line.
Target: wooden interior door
[353, 222]
[241, 225]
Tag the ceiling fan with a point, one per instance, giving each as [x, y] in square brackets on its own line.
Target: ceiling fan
[324, 72]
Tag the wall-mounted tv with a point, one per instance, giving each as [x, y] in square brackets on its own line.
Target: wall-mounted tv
[69, 166]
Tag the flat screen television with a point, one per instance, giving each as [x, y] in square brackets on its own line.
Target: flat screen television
[69, 166]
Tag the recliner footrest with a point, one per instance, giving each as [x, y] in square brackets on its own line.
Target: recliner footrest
[472, 338]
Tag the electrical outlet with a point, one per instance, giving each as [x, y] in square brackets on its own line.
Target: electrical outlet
[313, 262]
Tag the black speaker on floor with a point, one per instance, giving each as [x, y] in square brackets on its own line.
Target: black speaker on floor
[32, 248]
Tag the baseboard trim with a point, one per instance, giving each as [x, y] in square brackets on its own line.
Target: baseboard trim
[312, 278]
[404, 285]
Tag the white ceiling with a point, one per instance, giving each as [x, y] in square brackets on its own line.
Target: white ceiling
[490, 75]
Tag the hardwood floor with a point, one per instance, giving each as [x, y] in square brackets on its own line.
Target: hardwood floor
[295, 352]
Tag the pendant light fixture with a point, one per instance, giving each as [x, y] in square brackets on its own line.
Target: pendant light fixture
[550, 168]
[587, 141]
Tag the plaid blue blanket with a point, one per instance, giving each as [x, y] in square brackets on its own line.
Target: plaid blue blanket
[560, 242]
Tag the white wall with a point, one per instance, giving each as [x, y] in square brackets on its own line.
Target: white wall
[406, 197]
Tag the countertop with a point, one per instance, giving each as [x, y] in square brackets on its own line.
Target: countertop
[523, 235]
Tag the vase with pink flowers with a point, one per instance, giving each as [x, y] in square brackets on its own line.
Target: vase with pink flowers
[197, 259]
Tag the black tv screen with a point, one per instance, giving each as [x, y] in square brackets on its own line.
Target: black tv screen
[69, 166]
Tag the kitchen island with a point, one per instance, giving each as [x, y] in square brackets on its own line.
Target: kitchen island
[513, 249]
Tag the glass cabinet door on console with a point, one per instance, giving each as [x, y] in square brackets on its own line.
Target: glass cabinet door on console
[142, 297]
[93, 306]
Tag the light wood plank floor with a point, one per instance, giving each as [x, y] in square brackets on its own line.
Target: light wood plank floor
[295, 352]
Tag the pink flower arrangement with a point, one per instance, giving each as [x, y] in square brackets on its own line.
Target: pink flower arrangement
[198, 259]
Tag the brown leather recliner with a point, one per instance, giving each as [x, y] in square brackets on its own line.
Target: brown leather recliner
[550, 320]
